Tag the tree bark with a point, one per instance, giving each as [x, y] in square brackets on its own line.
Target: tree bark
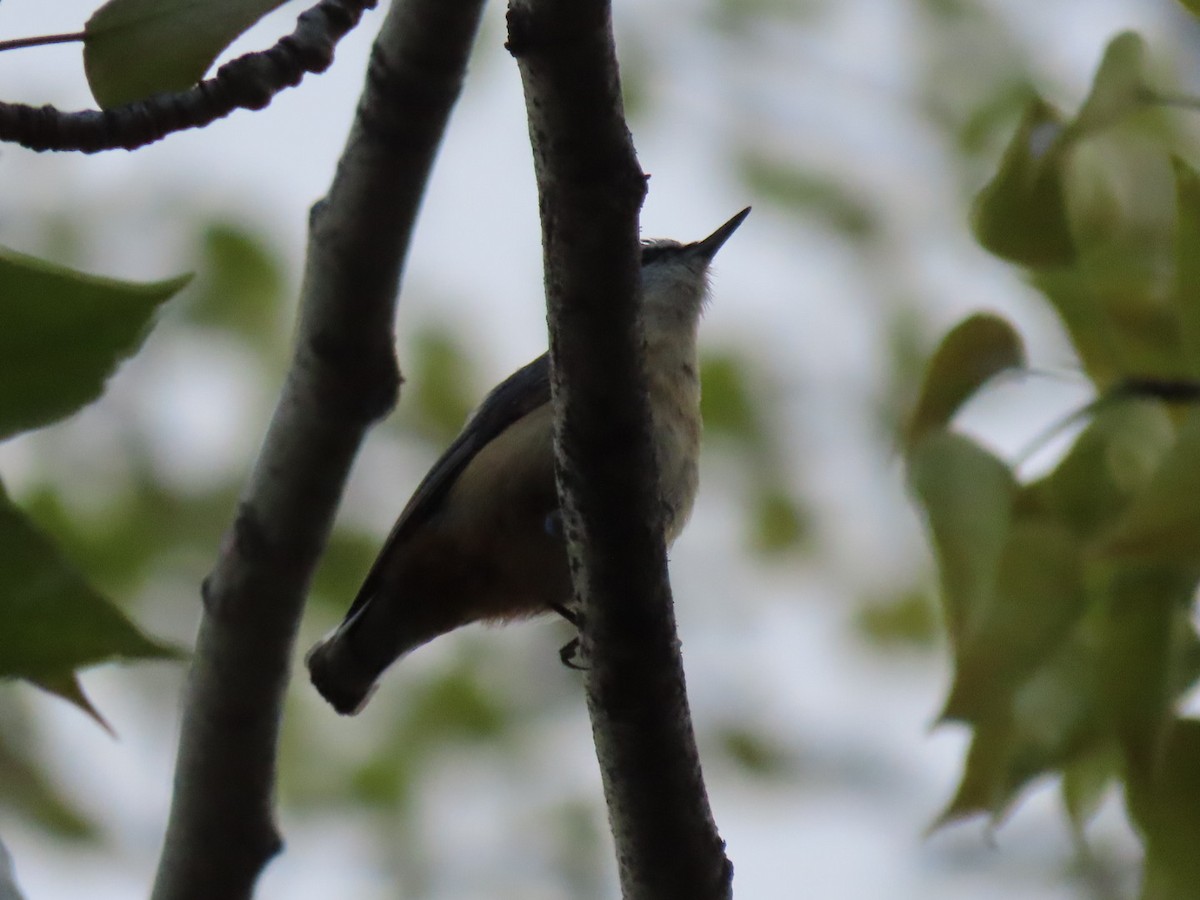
[343, 376]
[591, 188]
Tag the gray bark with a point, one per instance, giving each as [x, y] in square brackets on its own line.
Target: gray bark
[342, 378]
[591, 188]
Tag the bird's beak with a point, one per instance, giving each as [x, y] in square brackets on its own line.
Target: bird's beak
[708, 247]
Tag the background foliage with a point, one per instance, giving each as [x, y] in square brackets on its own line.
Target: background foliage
[872, 139]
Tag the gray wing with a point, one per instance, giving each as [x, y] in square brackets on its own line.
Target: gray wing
[517, 396]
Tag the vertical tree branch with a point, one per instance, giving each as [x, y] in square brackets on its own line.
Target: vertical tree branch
[343, 376]
[591, 188]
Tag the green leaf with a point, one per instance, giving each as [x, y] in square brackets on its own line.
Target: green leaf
[1038, 596]
[780, 522]
[241, 283]
[439, 388]
[1118, 88]
[1109, 462]
[1146, 635]
[1192, 6]
[1085, 782]
[909, 618]
[135, 48]
[1021, 214]
[1187, 261]
[756, 752]
[727, 402]
[457, 706]
[1050, 721]
[985, 784]
[25, 788]
[51, 621]
[348, 556]
[972, 353]
[992, 112]
[967, 494]
[1119, 319]
[67, 687]
[790, 186]
[1166, 812]
[141, 524]
[62, 334]
[1162, 523]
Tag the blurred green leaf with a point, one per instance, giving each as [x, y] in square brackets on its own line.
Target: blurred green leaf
[985, 786]
[240, 285]
[780, 523]
[438, 389]
[135, 48]
[967, 495]
[26, 789]
[1109, 462]
[1072, 296]
[1052, 719]
[1146, 633]
[385, 780]
[727, 401]
[344, 565]
[1118, 322]
[789, 186]
[910, 618]
[1021, 214]
[51, 621]
[1007, 101]
[1166, 811]
[1038, 596]
[1085, 782]
[1123, 199]
[456, 706]
[1118, 87]
[948, 9]
[66, 686]
[140, 528]
[971, 354]
[62, 333]
[742, 17]
[1187, 261]
[755, 752]
[1162, 523]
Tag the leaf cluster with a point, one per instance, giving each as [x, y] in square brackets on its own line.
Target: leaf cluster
[1068, 599]
[62, 334]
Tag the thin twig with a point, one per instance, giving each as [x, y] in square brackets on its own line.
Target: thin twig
[44, 40]
[248, 82]
[343, 377]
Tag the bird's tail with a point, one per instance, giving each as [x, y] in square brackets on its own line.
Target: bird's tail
[345, 666]
[340, 674]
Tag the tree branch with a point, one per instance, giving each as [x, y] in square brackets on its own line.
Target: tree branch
[591, 188]
[248, 82]
[343, 376]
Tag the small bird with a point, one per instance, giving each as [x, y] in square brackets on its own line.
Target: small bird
[481, 539]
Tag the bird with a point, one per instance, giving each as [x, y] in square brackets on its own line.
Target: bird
[481, 538]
